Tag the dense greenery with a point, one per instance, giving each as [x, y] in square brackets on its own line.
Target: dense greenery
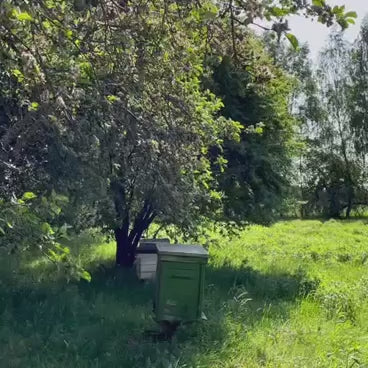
[106, 103]
[114, 140]
[292, 295]
[334, 162]
[257, 176]
[123, 118]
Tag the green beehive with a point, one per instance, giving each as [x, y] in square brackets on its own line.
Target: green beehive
[179, 282]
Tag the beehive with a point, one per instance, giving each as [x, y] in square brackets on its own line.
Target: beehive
[146, 258]
[179, 282]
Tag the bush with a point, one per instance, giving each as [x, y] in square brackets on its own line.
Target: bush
[27, 225]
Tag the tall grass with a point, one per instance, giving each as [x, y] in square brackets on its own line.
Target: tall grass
[292, 295]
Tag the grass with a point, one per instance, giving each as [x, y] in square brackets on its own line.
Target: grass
[292, 295]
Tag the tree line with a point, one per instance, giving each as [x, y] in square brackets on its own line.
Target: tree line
[331, 104]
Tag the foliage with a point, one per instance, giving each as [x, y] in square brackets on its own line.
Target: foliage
[306, 280]
[27, 227]
[132, 122]
[256, 94]
[243, 13]
[358, 93]
[329, 102]
[335, 165]
[102, 101]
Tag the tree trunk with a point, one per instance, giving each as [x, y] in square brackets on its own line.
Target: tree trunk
[127, 241]
[350, 202]
[348, 209]
[125, 253]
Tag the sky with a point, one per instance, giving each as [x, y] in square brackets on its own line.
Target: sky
[316, 34]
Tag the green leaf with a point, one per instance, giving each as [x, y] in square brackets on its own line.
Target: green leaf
[18, 74]
[33, 106]
[47, 229]
[278, 12]
[69, 34]
[50, 4]
[28, 196]
[58, 197]
[111, 98]
[86, 276]
[10, 226]
[258, 130]
[319, 3]
[46, 24]
[55, 208]
[350, 20]
[293, 40]
[64, 250]
[338, 11]
[215, 195]
[53, 255]
[22, 16]
[2, 231]
[351, 14]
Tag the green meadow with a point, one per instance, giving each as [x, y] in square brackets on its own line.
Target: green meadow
[291, 295]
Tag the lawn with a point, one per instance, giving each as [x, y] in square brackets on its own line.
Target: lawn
[291, 295]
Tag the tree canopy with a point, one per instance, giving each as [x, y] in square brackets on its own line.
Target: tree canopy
[133, 109]
[330, 105]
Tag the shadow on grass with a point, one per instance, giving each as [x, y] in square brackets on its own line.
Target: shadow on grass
[266, 287]
[101, 323]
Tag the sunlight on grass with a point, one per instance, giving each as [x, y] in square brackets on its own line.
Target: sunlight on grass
[104, 252]
[291, 295]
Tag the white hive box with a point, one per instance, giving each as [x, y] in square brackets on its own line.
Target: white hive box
[146, 258]
[146, 265]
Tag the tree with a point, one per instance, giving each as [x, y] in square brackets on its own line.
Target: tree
[255, 93]
[334, 160]
[107, 104]
[131, 123]
[359, 98]
[335, 132]
[27, 226]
